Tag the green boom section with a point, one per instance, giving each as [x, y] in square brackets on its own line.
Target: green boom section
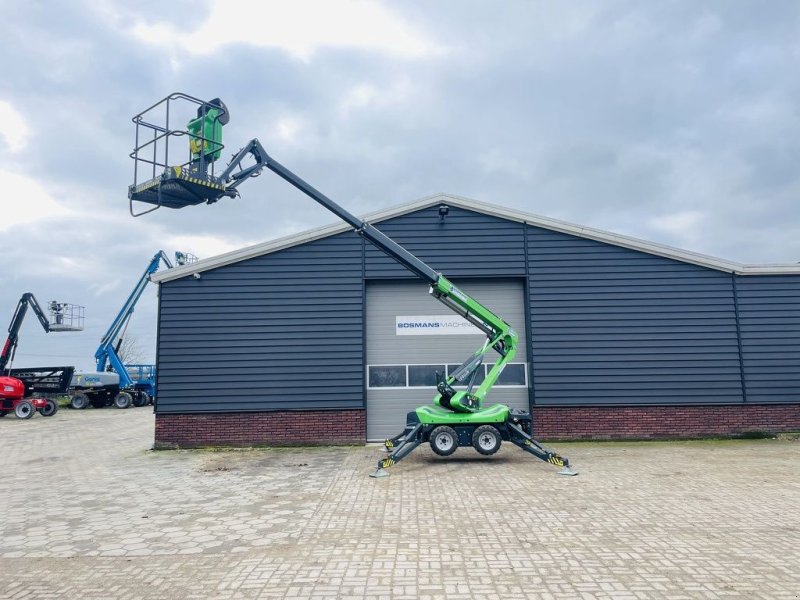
[501, 336]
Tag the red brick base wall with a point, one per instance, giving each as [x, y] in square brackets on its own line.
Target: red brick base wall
[652, 422]
[287, 428]
[577, 423]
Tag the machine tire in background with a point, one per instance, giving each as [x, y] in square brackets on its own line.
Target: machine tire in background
[123, 400]
[3, 413]
[486, 440]
[24, 410]
[79, 401]
[50, 408]
[444, 440]
[141, 399]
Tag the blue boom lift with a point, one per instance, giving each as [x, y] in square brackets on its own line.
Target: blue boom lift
[116, 382]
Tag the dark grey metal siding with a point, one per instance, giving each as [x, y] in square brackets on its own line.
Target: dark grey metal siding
[285, 330]
[769, 319]
[464, 244]
[280, 331]
[615, 326]
[608, 325]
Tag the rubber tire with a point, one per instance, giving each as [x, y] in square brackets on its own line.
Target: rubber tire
[123, 400]
[98, 403]
[79, 401]
[50, 408]
[24, 410]
[3, 413]
[445, 434]
[141, 399]
[486, 430]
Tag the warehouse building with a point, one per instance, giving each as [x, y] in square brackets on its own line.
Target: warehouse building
[320, 338]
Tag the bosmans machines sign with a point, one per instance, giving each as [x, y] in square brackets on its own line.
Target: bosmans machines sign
[434, 325]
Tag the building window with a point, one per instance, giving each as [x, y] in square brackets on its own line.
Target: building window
[381, 376]
[424, 375]
[513, 374]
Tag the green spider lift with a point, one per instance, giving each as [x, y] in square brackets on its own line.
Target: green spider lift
[457, 416]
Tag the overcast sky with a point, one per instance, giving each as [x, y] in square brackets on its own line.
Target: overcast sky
[675, 122]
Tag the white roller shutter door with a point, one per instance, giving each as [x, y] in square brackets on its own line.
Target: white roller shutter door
[404, 347]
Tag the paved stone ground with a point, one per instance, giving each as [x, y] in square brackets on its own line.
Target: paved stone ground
[88, 512]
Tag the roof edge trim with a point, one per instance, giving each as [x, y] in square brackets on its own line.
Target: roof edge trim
[491, 210]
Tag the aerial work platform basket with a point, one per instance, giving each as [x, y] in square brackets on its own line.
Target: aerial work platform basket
[178, 172]
[63, 316]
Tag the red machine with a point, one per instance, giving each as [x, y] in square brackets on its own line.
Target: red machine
[13, 390]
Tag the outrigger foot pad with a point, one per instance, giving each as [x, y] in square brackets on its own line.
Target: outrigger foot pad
[568, 471]
[379, 473]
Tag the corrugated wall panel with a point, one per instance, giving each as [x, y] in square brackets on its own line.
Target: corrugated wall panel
[276, 332]
[609, 325]
[615, 326]
[769, 319]
[464, 244]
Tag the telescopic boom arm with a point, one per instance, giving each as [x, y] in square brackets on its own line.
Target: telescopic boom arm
[501, 337]
[107, 351]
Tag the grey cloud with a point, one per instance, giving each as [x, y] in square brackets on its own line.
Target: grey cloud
[618, 115]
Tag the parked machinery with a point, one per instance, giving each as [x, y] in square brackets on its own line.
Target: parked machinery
[17, 386]
[115, 382]
[457, 417]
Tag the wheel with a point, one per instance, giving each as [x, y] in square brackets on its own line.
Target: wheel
[98, 403]
[24, 410]
[444, 440]
[123, 400]
[141, 399]
[79, 401]
[50, 408]
[3, 413]
[486, 440]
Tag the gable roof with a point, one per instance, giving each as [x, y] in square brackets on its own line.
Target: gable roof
[488, 209]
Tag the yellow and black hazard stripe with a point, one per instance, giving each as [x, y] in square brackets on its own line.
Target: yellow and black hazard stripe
[203, 182]
[556, 460]
[145, 186]
[179, 173]
[387, 462]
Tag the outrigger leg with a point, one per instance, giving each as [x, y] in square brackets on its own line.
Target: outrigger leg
[391, 444]
[527, 443]
[400, 446]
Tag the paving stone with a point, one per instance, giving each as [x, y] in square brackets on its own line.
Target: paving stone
[659, 520]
